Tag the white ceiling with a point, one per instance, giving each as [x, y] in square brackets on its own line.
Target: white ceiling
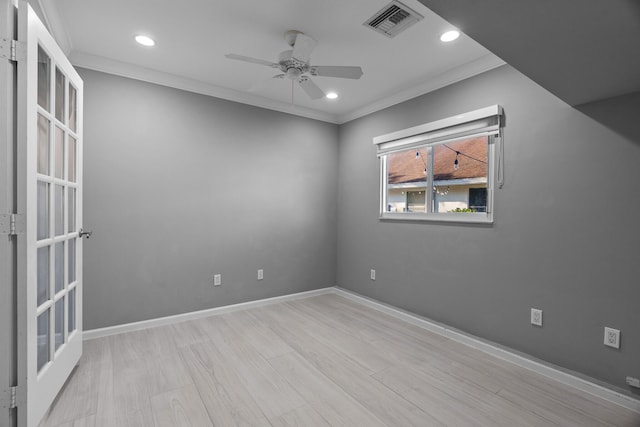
[192, 37]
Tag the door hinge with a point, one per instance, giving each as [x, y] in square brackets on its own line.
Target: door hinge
[12, 50]
[13, 400]
[11, 224]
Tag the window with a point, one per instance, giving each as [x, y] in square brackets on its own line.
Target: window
[478, 199]
[441, 171]
[415, 201]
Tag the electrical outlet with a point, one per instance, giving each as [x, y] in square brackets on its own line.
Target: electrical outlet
[217, 280]
[612, 337]
[633, 382]
[536, 317]
[260, 274]
[373, 274]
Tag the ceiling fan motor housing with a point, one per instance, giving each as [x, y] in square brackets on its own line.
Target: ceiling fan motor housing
[291, 66]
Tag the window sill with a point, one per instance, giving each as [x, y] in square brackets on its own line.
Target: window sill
[457, 217]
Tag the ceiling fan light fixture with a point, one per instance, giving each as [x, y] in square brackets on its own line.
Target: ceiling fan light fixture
[332, 95]
[145, 40]
[449, 36]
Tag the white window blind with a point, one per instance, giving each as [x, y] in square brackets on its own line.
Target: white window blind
[483, 122]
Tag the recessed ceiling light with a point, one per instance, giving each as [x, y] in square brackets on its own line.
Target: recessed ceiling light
[332, 95]
[450, 36]
[145, 41]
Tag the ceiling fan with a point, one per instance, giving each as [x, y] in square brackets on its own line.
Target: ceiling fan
[294, 64]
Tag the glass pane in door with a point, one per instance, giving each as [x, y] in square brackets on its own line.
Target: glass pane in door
[71, 211]
[72, 160]
[43, 145]
[59, 95]
[43, 210]
[59, 153]
[44, 79]
[73, 117]
[43, 339]
[43, 275]
[72, 310]
[72, 261]
[59, 316]
[59, 209]
[59, 267]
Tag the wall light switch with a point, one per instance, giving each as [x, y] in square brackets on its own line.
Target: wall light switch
[373, 274]
[260, 274]
[217, 280]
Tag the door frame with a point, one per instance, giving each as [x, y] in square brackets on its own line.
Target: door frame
[8, 245]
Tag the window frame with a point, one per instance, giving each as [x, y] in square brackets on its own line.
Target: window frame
[483, 122]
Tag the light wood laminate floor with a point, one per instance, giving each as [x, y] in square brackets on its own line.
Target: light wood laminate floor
[319, 361]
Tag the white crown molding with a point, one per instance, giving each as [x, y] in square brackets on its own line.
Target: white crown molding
[107, 65]
[99, 63]
[462, 72]
[54, 24]
[123, 69]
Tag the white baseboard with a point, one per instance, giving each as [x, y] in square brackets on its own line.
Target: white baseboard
[161, 321]
[493, 349]
[541, 368]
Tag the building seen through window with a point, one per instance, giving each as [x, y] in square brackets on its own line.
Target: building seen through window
[458, 172]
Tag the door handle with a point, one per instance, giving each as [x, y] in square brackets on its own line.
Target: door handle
[86, 234]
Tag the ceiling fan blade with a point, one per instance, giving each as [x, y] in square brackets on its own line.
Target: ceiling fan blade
[303, 47]
[311, 88]
[264, 83]
[336, 71]
[252, 60]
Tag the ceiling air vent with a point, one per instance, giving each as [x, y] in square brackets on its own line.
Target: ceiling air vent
[392, 19]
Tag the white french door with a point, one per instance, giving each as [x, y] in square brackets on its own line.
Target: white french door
[50, 197]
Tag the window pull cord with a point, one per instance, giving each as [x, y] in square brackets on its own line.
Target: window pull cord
[500, 161]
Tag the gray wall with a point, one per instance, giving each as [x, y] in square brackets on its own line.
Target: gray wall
[180, 186]
[565, 237]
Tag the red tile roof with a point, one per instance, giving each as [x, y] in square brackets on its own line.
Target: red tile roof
[405, 167]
